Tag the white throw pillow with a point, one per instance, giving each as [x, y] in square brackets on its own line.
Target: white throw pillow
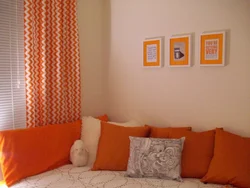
[131, 123]
[90, 136]
[91, 130]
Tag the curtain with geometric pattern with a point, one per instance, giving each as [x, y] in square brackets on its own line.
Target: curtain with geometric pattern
[52, 63]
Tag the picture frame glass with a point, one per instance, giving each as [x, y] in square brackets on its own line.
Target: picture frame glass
[212, 49]
[179, 51]
[152, 52]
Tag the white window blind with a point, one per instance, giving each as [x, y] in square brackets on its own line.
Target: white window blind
[12, 85]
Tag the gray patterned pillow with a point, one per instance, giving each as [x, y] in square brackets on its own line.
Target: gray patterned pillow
[155, 158]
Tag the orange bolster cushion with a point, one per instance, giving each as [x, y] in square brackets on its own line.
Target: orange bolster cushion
[103, 118]
[27, 152]
[231, 160]
[197, 152]
[163, 132]
[113, 147]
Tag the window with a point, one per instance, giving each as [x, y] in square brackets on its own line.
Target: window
[12, 79]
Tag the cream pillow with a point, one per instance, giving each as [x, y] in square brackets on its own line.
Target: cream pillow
[90, 136]
[91, 130]
[131, 123]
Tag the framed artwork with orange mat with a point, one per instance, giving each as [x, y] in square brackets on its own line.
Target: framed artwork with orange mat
[153, 52]
[180, 51]
[212, 49]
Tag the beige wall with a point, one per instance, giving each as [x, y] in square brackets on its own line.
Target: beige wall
[114, 81]
[203, 97]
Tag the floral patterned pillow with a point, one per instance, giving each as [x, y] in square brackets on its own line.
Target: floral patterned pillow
[155, 158]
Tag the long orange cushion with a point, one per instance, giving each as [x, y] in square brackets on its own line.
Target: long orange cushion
[26, 152]
[113, 147]
[197, 152]
[103, 117]
[231, 160]
[163, 132]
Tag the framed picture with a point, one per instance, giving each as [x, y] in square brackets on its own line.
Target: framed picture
[153, 52]
[212, 49]
[180, 51]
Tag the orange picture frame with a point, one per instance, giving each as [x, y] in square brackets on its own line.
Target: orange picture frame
[212, 49]
[180, 51]
[153, 52]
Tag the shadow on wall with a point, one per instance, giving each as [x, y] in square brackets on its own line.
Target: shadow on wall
[94, 37]
[106, 50]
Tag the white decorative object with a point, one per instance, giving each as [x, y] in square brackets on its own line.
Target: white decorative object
[78, 154]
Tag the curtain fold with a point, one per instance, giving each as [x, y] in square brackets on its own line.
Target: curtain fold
[52, 63]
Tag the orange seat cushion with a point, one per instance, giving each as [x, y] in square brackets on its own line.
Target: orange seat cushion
[27, 152]
[103, 118]
[197, 152]
[231, 161]
[113, 147]
[163, 132]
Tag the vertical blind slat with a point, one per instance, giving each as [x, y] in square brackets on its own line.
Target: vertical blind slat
[12, 79]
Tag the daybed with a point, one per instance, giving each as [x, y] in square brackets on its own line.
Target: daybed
[71, 177]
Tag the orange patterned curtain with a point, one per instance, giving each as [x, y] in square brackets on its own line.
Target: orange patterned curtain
[52, 64]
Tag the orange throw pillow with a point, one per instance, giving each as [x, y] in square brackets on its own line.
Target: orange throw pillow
[27, 152]
[197, 152]
[113, 147]
[163, 132]
[231, 161]
[103, 118]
